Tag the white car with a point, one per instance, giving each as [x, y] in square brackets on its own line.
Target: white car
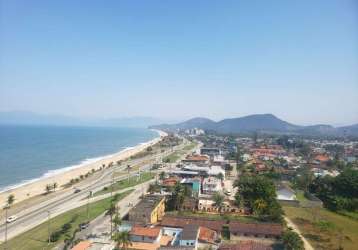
[11, 219]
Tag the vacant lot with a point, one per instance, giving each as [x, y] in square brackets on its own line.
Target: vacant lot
[325, 229]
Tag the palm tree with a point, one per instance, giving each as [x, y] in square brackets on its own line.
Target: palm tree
[10, 199]
[117, 220]
[48, 188]
[122, 240]
[54, 186]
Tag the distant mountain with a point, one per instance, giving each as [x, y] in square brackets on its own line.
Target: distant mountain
[262, 122]
[198, 122]
[265, 123]
[30, 118]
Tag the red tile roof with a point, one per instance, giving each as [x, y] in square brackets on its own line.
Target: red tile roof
[322, 158]
[83, 245]
[181, 221]
[196, 158]
[245, 245]
[255, 228]
[272, 229]
[207, 235]
[145, 231]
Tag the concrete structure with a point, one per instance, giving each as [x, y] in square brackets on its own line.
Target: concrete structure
[149, 210]
[211, 185]
[189, 236]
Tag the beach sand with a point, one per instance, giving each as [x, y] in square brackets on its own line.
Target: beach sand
[38, 187]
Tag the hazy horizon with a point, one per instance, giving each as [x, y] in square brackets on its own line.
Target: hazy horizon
[178, 60]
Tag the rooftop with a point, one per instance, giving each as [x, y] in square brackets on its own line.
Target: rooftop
[145, 231]
[245, 245]
[190, 232]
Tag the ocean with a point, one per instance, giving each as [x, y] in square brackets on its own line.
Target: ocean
[28, 153]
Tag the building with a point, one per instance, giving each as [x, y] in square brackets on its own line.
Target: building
[189, 236]
[205, 171]
[193, 184]
[210, 151]
[245, 245]
[149, 210]
[211, 185]
[238, 230]
[145, 234]
[257, 230]
[197, 159]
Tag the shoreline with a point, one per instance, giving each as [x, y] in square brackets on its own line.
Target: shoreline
[30, 188]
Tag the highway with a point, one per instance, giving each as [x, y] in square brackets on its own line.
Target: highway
[67, 199]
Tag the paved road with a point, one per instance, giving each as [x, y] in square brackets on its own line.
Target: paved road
[37, 214]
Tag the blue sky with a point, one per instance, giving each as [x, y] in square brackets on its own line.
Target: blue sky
[178, 59]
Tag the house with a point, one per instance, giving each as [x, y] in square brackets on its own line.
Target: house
[210, 151]
[263, 230]
[321, 159]
[211, 185]
[193, 184]
[207, 238]
[285, 193]
[83, 245]
[205, 171]
[245, 245]
[145, 234]
[237, 229]
[197, 159]
[189, 236]
[149, 210]
[181, 221]
[170, 182]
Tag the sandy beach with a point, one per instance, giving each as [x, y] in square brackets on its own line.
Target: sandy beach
[37, 187]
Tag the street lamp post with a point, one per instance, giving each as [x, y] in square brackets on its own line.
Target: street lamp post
[6, 208]
[49, 227]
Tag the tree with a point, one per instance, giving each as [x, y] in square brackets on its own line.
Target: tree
[221, 176]
[54, 186]
[292, 241]
[117, 220]
[48, 188]
[176, 200]
[219, 201]
[10, 199]
[162, 175]
[122, 240]
[255, 187]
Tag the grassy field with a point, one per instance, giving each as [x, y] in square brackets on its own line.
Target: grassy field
[133, 181]
[173, 157]
[37, 237]
[230, 217]
[190, 146]
[325, 229]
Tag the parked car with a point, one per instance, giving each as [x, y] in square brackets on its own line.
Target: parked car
[84, 225]
[11, 219]
[77, 190]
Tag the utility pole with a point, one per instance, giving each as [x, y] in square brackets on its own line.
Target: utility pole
[6, 208]
[89, 196]
[49, 226]
[112, 182]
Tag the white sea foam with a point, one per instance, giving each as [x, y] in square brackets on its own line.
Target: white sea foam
[54, 172]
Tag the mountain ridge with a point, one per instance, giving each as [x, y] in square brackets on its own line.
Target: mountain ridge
[266, 123]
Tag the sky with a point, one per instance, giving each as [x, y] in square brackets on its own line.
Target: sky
[180, 59]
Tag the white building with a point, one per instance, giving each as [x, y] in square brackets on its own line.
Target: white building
[211, 185]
